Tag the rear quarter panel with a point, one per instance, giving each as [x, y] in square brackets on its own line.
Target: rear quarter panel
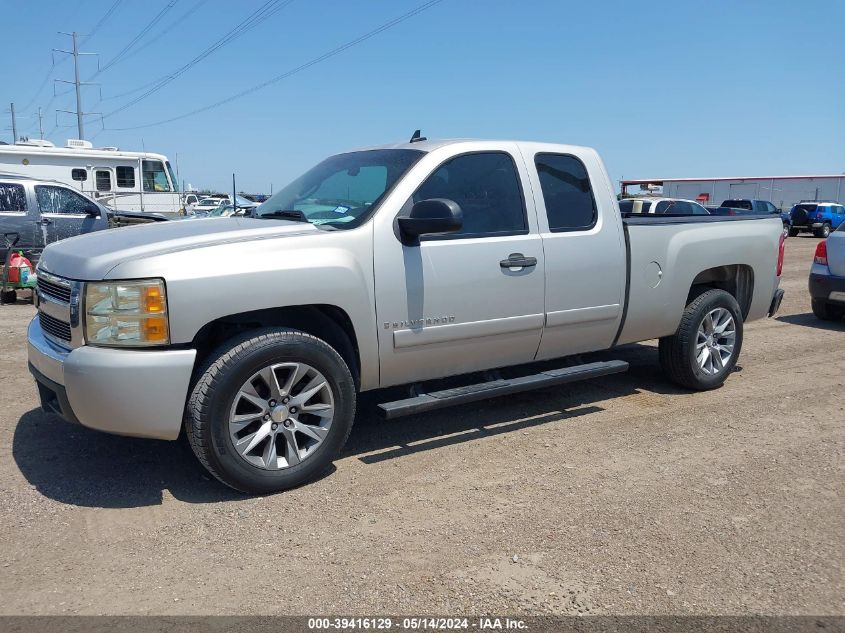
[666, 258]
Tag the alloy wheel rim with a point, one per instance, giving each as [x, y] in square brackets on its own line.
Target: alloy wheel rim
[281, 415]
[715, 341]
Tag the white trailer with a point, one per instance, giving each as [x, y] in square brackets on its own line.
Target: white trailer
[124, 181]
[782, 191]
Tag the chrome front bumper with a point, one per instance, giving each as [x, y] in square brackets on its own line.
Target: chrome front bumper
[126, 392]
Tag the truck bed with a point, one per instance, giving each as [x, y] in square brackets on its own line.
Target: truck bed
[669, 254]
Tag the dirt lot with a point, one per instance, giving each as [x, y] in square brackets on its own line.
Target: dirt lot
[627, 496]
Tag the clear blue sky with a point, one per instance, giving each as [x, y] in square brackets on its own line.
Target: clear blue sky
[660, 88]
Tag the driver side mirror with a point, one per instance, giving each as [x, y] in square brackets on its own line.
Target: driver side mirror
[93, 211]
[436, 215]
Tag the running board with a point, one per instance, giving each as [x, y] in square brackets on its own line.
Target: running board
[482, 391]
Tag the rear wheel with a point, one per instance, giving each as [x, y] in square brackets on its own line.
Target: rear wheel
[8, 296]
[271, 410]
[824, 231]
[705, 348]
[826, 311]
[793, 232]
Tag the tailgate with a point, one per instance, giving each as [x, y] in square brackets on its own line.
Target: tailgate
[836, 252]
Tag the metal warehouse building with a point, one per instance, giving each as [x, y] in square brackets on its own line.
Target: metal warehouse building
[782, 191]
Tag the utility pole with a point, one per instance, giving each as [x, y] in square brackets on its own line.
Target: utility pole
[80, 114]
[40, 123]
[78, 91]
[14, 126]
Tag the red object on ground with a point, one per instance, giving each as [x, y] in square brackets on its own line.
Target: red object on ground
[16, 262]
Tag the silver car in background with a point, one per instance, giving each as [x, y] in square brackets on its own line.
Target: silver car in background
[827, 277]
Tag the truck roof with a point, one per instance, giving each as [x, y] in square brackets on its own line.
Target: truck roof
[433, 144]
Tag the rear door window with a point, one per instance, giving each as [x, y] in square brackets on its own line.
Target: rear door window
[568, 196]
[12, 198]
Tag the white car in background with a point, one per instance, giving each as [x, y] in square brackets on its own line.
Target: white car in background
[207, 205]
[662, 206]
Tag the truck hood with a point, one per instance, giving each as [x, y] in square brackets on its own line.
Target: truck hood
[90, 257]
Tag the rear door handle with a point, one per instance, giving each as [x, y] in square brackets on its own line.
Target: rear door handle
[518, 260]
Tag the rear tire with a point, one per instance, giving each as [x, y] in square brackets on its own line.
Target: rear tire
[8, 296]
[704, 350]
[793, 232]
[237, 384]
[827, 312]
[824, 231]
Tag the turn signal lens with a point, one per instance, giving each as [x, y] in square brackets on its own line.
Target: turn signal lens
[155, 329]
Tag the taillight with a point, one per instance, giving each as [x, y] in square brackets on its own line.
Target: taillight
[781, 246]
[821, 253]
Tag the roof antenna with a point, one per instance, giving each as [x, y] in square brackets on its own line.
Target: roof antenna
[417, 137]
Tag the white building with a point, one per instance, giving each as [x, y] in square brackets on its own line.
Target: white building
[126, 181]
[782, 191]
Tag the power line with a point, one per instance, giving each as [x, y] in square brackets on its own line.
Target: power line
[102, 21]
[43, 83]
[114, 60]
[267, 10]
[298, 69]
[161, 34]
[166, 30]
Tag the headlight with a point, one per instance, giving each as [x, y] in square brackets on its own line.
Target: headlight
[126, 313]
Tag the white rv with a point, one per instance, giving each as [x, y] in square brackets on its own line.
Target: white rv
[124, 181]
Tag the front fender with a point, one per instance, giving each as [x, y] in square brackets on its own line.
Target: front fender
[208, 283]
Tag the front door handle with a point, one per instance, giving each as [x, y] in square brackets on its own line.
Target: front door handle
[518, 260]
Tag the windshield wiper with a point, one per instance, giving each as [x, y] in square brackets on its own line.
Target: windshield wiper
[287, 214]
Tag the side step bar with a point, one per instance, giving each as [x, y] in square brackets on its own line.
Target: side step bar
[482, 391]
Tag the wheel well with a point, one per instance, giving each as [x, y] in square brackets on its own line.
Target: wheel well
[326, 322]
[735, 279]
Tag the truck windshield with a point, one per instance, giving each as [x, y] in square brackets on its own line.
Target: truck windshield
[172, 176]
[343, 190]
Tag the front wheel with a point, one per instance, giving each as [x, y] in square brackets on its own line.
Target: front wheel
[793, 232]
[271, 410]
[705, 348]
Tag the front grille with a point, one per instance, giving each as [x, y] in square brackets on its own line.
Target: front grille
[54, 290]
[54, 327]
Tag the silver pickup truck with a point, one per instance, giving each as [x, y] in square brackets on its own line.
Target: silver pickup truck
[388, 266]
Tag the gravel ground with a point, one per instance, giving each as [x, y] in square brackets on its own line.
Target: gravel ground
[627, 496]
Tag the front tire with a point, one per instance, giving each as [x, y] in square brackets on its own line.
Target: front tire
[705, 348]
[793, 232]
[826, 312]
[271, 410]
